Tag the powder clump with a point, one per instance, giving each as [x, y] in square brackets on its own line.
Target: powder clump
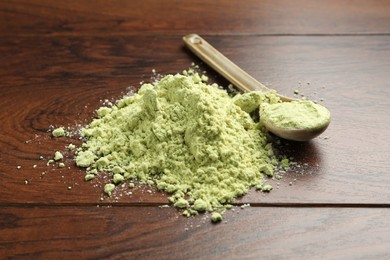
[58, 156]
[216, 217]
[189, 138]
[58, 132]
[85, 158]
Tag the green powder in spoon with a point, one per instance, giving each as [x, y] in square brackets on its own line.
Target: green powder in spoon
[190, 139]
[300, 114]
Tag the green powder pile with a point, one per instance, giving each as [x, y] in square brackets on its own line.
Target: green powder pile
[302, 114]
[190, 139]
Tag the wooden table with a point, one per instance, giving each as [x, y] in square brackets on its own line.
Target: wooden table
[59, 60]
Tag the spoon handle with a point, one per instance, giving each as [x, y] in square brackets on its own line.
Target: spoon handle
[221, 64]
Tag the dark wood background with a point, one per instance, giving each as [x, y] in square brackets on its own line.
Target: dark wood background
[60, 59]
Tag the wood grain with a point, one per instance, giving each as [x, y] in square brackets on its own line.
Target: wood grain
[205, 17]
[63, 81]
[160, 233]
[61, 60]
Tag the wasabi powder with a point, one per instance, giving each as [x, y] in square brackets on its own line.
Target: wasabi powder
[58, 156]
[300, 114]
[189, 138]
[216, 217]
[58, 132]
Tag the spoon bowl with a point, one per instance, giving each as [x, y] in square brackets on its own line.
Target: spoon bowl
[245, 82]
[294, 134]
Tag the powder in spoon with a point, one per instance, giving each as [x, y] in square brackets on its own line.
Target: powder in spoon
[188, 138]
[302, 114]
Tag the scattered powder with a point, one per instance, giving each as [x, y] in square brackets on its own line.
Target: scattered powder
[266, 188]
[58, 132]
[89, 177]
[109, 188]
[51, 161]
[190, 139]
[247, 205]
[216, 217]
[285, 163]
[58, 156]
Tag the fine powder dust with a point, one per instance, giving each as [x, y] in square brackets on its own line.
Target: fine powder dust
[190, 139]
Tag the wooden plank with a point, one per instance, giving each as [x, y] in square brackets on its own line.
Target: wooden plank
[160, 233]
[61, 80]
[216, 17]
